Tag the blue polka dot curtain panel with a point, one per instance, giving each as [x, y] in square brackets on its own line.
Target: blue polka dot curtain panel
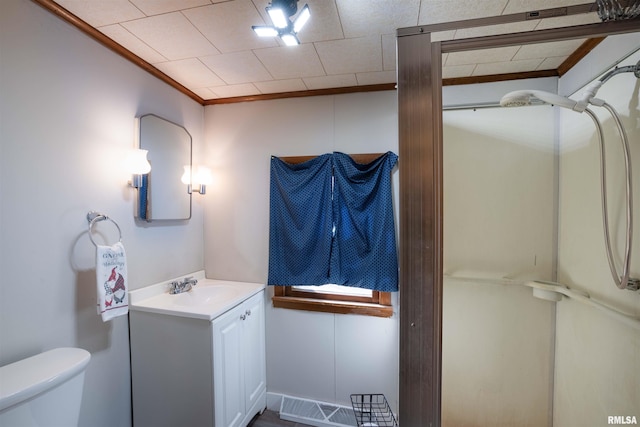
[331, 221]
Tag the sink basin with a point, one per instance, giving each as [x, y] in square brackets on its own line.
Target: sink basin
[204, 295]
[207, 300]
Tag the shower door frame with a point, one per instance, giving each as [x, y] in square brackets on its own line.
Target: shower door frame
[419, 65]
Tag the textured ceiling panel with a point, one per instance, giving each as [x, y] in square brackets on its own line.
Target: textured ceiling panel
[351, 55]
[228, 25]
[209, 47]
[157, 7]
[437, 11]
[291, 62]
[99, 13]
[237, 67]
[192, 72]
[172, 35]
[360, 19]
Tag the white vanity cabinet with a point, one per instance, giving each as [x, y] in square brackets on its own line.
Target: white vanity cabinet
[239, 365]
[190, 369]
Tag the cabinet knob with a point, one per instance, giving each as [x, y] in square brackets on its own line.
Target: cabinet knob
[242, 317]
[248, 312]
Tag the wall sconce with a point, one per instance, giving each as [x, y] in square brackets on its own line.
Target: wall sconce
[138, 166]
[197, 180]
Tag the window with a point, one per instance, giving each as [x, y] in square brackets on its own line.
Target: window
[333, 298]
[300, 298]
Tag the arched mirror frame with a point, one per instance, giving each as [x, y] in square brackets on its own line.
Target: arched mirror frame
[163, 196]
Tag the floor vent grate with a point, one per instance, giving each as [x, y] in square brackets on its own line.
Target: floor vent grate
[315, 413]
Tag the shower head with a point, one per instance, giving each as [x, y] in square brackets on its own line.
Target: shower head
[616, 10]
[521, 98]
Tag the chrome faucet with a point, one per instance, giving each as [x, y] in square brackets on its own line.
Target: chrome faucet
[184, 286]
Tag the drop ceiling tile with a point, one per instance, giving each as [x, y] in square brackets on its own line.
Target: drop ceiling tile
[289, 62]
[515, 27]
[216, 54]
[438, 11]
[552, 63]
[205, 93]
[457, 71]
[156, 7]
[351, 55]
[544, 50]
[376, 77]
[237, 67]
[279, 86]
[228, 25]
[501, 54]
[324, 23]
[389, 51]
[382, 16]
[172, 35]
[506, 67]
[101, 13]
[124, 38]
[516, 6]
[325, 82]
[190, 72]
[245, 89]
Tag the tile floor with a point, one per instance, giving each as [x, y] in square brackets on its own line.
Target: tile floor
[272, 419]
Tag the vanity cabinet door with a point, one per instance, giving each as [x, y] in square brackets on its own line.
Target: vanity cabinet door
[254, 350]
[239, 363]
[228, 376]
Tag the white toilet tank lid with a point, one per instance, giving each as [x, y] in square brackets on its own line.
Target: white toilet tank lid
[29, 377]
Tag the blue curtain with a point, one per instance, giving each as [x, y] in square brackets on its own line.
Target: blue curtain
[342, 234]
[300, 226]
[364, 251]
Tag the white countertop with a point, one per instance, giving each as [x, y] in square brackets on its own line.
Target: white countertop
[207, 300]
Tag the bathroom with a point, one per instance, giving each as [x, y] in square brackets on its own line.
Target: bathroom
[70, 163]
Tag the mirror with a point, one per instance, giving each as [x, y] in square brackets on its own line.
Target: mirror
[162, 195]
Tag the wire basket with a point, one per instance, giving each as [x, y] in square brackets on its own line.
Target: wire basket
[372, 410]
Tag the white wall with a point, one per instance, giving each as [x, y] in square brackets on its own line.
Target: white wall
[597, 358]
[499, 215]
[67, 108]
[312, 355]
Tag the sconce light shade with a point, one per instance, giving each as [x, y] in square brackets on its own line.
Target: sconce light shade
[138, 162]
[186, 176]
[138, 166]
[204, 175]
[202, 178]
[196, 179]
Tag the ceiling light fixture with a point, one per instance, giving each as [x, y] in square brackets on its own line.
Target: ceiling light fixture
[280, 12]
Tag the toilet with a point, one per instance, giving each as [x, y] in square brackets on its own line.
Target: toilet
[43, 390]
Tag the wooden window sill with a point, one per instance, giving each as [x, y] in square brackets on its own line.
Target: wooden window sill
[332, 306]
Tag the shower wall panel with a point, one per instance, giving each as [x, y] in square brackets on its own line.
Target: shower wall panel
[597, 358]
[499, 212]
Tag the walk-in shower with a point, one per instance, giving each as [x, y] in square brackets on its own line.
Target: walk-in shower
[528, 97]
